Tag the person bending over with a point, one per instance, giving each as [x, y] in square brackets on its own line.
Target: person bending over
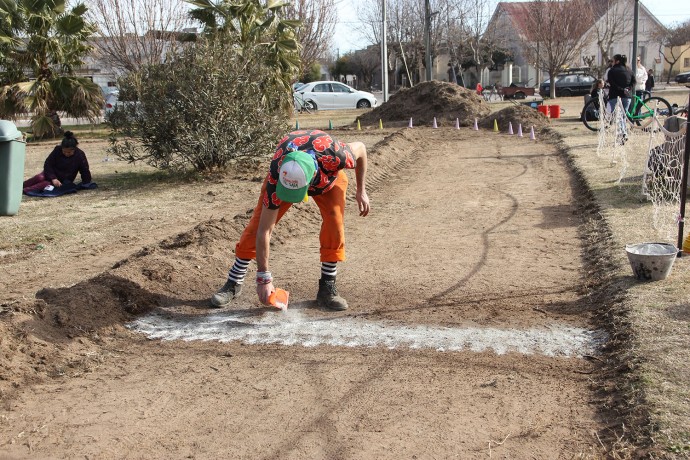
[306, 163]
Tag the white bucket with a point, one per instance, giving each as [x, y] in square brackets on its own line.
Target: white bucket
[651, 261]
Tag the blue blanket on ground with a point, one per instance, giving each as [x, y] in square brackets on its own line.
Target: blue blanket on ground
[64, 189]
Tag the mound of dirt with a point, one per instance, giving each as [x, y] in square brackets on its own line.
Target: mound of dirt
[517, 115]
[445, 101]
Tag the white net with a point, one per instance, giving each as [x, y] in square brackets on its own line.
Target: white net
[647, 152]
[662, 173]
[624, 143]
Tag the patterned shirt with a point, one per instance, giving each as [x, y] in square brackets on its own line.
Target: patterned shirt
[330, 154]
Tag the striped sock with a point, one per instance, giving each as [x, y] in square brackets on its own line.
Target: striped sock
[239, 270]
[329, 270]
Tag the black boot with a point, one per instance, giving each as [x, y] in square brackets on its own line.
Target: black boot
[224, 296]
[328, 296]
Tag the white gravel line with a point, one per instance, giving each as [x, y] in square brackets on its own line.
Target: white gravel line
[295, 328]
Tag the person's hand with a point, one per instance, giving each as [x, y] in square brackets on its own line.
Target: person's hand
[363, 203]
[264, 291]
[56, 183]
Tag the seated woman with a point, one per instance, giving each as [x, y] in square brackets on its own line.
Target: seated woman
[62, 165]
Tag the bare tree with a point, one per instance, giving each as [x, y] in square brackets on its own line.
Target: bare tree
[554, 33]
[315, 35]
[135, 33]
[674, 42]
[366, 63]
[612, 21]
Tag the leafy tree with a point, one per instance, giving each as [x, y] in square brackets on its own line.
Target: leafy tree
[249, 24]
[44, 42]
[220, 98]
[314, 73]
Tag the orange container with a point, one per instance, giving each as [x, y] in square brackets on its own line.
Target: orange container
[544, 109]
[279, 298]
[555, 111]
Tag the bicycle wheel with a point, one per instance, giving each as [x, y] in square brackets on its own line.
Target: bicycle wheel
[591, 116]
[646, 114]
[310, 106]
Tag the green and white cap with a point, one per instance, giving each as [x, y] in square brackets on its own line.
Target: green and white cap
[294, 176]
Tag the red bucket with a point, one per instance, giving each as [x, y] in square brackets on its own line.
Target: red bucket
[555, 111]
[544, 109]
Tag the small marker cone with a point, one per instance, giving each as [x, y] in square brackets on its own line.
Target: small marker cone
[330, 124]
[476, 128]
[296, 124]
[531, 134]
[380, 124]
[520, 130]
[359, 127]
[410, 124]
[510, 128]
[435, 125]
[457, 123]
[495, 125]
[686, 245]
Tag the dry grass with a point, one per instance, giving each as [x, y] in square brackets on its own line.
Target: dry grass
[657, 327]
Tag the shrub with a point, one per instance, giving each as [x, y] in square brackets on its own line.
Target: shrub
[212, 103]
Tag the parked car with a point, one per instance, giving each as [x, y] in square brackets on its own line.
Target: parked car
[111, 101]
[569, 85]
[683, 77]
[325, 95]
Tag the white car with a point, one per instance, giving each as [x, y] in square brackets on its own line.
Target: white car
[324, 95]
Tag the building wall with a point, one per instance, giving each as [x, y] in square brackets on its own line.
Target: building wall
[647, 45]
[526, 72]
[683, 64]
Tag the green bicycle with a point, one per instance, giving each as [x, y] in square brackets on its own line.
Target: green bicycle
[640, 113]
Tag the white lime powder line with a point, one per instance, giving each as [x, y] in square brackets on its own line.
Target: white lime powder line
[294, 328]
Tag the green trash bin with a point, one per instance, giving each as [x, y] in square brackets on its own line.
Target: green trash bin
[12, 155]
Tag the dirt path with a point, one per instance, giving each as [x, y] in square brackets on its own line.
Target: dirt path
[468, 231]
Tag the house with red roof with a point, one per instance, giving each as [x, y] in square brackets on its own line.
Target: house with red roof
[611, 33]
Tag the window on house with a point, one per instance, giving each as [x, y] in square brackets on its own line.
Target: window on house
[686, 62]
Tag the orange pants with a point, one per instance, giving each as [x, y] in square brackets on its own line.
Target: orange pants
[332, 236]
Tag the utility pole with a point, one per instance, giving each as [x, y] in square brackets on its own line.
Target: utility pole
[427, 37]
[384, 53]
[636, 20]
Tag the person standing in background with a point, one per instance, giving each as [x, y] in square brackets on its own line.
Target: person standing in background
[649, 85]
[641, 82]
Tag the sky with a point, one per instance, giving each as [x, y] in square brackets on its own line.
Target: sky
[346, 39]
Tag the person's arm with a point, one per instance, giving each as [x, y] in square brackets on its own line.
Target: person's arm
[267, 223]
[84, 170]
[49, 167]
[359, 151]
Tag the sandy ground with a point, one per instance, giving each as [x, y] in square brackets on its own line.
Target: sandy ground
[468, 229]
